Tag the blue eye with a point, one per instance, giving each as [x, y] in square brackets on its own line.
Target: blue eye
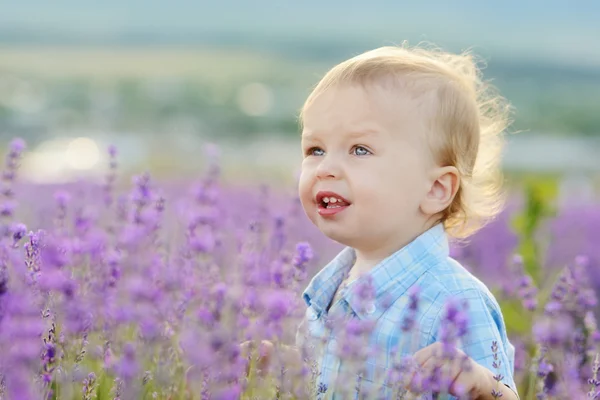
[360, 151]
[315, 151]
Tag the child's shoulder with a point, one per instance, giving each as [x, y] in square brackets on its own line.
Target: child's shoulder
[450, 279]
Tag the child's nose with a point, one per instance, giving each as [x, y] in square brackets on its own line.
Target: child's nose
[328, 168]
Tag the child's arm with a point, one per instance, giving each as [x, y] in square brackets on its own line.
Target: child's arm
[486, 345]
[288, 355]
[269, 356]
[489, 386]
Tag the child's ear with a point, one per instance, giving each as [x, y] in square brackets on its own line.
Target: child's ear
[442, 191]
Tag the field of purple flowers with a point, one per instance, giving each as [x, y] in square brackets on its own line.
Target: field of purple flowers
[147, 291]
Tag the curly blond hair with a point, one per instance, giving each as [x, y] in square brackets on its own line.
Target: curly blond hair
[467, 120]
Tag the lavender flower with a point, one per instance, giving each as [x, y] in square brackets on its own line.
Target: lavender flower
[304, 254]
[89, 387]
[408, 324]
[523, 285]
[593, 381]
[49, 358]
[168, 283]
[7, 204]
[489, 252]
[20, 342]
[496, 364]
[127, 367]
[111, 176]
[18, 231]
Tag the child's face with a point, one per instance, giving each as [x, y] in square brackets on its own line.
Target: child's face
[366, 148]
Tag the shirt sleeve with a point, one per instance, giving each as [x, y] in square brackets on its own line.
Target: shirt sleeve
[485, 327]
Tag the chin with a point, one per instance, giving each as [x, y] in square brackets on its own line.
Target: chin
[337, 236]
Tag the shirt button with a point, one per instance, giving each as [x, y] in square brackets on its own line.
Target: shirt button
[371, 309]
[311, 314]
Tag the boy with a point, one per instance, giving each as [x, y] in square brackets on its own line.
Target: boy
[401, 150]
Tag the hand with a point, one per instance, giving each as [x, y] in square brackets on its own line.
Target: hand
[271, 356]
[265, 355]
[464, 374]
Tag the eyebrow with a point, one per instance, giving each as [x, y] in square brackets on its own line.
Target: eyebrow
[352, 134]
[363, 133]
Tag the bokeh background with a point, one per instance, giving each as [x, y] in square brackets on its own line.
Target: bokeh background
[161, 79]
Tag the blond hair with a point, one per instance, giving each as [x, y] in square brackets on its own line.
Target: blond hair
[468, 120]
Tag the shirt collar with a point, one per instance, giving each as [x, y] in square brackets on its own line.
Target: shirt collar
[391, 278]
[323, 285]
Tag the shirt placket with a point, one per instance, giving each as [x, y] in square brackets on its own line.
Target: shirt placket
[339, 310]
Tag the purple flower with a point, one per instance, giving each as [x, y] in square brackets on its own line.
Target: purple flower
[18, 232]
[140, 289]
[188, 286]
[232, 392]
[142, 192]
[203, 243]
[519, 283]
[553, 331]
[127, 366]
[18, 384]
[593, 381]
[17, 146]
[112, 151]
[21, 329]
[358, 328]
[56, 280]
[3, 285]
[321, 388]
[111, 176]
[455, 320]
[62, 198]
[89, 386]
[413, 306]
[278, 304]
[49, 358]
[304, 254]
[54, 254]
[496, 364]
[278, 271]
[7, 208]
[206, 316]
[553, 307]
[488, 253]
[278, 236]
[365, 289]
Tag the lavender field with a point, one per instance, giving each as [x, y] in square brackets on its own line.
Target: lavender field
[146, 290]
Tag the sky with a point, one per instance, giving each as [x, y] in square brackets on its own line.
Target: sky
[565, 32]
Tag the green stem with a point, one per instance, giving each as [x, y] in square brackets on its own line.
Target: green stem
[531, 385]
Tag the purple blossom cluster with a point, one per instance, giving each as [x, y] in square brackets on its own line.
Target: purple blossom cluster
[149, 292]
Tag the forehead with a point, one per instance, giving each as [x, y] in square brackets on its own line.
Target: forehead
[361, 108]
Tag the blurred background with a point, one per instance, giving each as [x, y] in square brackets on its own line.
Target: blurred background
[161, 79]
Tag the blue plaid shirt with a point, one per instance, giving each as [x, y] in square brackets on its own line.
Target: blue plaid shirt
[424, 262]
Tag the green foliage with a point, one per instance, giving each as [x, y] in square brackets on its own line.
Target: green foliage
[518, 320]
[539, 194]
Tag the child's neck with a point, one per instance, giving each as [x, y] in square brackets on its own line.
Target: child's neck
[360, 268]
[364, 263]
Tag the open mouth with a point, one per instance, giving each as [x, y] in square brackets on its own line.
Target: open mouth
[331, 201]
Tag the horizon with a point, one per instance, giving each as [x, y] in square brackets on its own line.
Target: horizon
[542, 32]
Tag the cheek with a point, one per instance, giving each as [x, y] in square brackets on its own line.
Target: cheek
[398, 191]
[305, 189]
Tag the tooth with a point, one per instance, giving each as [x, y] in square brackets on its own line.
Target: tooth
[333, 200]
[326, 199]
